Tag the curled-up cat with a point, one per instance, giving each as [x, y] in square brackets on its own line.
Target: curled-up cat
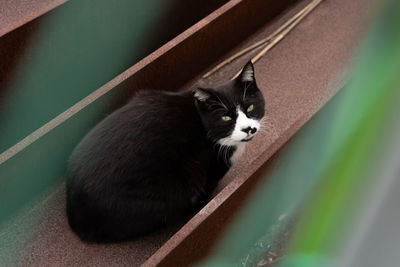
[153, 160]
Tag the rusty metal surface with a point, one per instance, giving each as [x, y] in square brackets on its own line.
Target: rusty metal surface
[18, 20]
[202, 45]
[37, 56]
[15, 13]
[48, 241]
[297, 78]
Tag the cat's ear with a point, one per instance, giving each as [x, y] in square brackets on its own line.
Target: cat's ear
[247, 74]
[202, 94]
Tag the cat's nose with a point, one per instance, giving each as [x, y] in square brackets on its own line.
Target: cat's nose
[249, 130]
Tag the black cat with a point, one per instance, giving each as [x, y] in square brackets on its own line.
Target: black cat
[151, 161]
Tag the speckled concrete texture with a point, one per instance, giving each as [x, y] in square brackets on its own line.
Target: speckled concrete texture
[40, 236]
[52, 243]
[304, 70]
[297, 77]
[15, 13]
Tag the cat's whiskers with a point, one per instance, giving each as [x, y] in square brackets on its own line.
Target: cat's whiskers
[266, 127]
[209, 137]
[219, 151]
[221, 102]
[223, 152]
[227, 161]
[245, 89]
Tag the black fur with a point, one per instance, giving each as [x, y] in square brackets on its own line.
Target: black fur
[151, 161]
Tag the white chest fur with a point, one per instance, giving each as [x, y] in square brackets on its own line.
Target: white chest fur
[238, 152]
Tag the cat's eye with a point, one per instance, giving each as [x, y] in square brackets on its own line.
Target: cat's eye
[250, 108]
[226, 118]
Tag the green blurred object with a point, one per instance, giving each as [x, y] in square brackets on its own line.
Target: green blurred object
[71, 52]
[79, 47]
[331, 169]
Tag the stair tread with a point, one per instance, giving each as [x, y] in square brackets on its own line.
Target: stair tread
[15, 13]
[297, 77]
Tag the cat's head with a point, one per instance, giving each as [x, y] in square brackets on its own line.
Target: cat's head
[231, 112]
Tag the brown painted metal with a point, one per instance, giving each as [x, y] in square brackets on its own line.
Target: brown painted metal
[193, 51]
[195, 240]
[168, 68]
[21, 19]
[297, 77]
[18, 21]
[16, 13]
